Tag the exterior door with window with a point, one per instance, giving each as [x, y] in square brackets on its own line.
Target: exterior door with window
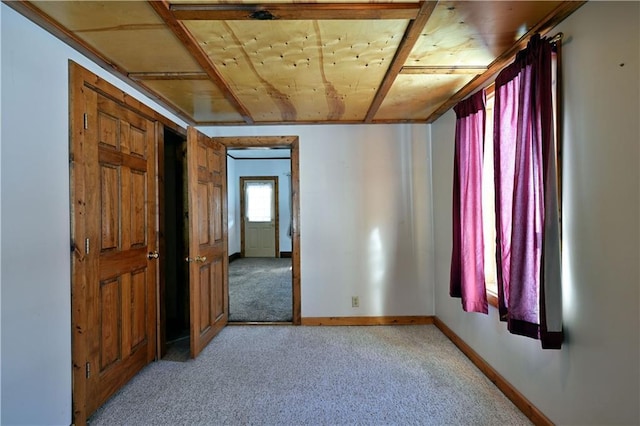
[260, 218]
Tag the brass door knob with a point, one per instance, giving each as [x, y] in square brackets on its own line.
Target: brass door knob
[153, 255]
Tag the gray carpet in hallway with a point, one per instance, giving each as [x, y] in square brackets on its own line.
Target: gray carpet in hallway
[260, 290]
[288, 375]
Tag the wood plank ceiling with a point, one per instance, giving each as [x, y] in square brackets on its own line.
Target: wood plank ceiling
[220, 63]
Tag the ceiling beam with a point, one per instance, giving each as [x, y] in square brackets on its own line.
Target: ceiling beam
[168, 76]
[37, 16]
[443, 69]
[543, 27]
[294, 11]
[413, 31]
[162, 8]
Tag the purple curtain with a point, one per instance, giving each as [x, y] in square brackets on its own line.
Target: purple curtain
[527, 221]
[467, 258]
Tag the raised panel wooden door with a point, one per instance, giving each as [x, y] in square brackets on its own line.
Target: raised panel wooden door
[209, 302]
[260, 216]
[121, 274]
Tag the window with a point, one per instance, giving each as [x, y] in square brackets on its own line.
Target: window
[513, 153]
[488, 206]
[259, 201]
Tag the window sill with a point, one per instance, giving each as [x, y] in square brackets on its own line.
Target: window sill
[492, 298]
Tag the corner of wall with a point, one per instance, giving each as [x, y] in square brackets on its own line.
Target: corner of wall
[594, 378]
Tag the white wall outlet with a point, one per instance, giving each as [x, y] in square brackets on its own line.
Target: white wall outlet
[355, 302]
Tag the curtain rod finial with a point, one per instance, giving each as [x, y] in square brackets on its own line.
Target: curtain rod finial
[556, 38]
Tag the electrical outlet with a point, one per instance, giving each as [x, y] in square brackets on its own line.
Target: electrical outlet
[355, 302]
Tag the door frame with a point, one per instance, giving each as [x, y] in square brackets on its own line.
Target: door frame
[161, 225]
[291, 142]
[276, 197]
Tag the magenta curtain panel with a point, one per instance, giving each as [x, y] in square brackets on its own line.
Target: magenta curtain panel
[467, 258]
[527, 218]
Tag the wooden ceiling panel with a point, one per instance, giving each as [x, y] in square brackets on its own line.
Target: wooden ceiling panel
[129, 33]
[301, 70]
[475, 33]
[182, 2]
[199, 99]
[414, 97]
[99, 15]
[285, 61]
[124, 47]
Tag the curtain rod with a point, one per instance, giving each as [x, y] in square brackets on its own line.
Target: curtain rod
[556, 38]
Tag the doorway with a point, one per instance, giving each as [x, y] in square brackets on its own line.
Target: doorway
[193, 299]
[260, 281]
[208, 254]
[257, 143]
[174, 300]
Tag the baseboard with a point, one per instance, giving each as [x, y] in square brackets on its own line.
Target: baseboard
[232, 323]
[390, 320]
[528, 409]
[236, 256]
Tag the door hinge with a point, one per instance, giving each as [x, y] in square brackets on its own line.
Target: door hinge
[86, 246]
[88, 370]
[86, 121]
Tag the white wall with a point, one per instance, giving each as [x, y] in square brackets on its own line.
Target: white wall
[233, 209]
[365, 228]
[595, 378]
[243, 168]
[0, 223]
[35, 264]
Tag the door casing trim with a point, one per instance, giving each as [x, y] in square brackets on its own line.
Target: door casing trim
[291, 142]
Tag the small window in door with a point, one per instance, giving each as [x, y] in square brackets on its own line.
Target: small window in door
[259, 201]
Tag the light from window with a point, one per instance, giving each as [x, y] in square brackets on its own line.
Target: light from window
[488, 203]
[259, 201]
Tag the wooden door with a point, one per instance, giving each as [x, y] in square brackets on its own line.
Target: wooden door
[208, 258]
[259, 210]
[120, 276]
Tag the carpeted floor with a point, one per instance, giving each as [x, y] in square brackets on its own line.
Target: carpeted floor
[274, 375]
[260, 290]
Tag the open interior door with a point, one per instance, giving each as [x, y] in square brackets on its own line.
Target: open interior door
[208, 257]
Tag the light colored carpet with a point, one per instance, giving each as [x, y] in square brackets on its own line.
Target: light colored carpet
[274, 375]
[260, 290]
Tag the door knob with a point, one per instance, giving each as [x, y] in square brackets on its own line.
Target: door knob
[153, 255]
